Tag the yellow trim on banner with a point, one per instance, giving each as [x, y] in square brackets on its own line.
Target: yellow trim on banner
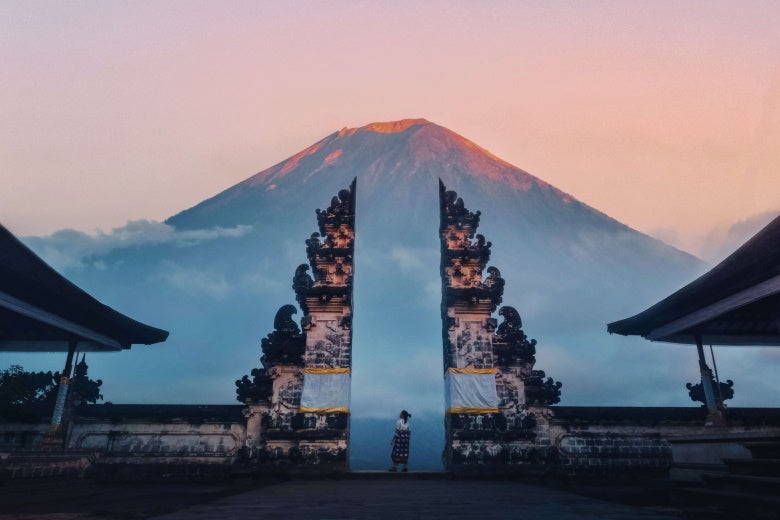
[313, 370]
[462, 409]
[471, 370]
[324, 410]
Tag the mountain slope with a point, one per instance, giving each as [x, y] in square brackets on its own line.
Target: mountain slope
[398, 164]
[400, 157]
[379, 154]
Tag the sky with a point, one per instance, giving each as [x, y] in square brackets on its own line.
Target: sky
[664, 115]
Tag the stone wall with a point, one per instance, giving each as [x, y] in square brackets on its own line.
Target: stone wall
[22, 429]
[42, 464]
[127, 442]
[607, 442]
[619, 442]
[21, 435]
[130, 442]
[140, 442]
[134, 432]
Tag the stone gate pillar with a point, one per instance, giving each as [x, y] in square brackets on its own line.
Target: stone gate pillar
[497, 406]
[326, 301]
[298, 403]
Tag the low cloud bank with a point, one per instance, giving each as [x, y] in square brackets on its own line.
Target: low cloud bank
[69, 248]
[719, 242]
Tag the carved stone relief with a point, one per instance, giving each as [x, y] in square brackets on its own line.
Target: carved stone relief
[323, 290]
[473, 339]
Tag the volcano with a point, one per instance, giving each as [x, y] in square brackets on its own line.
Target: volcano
[555, 247]
[394, 160]
[223, 268]
[401, 156]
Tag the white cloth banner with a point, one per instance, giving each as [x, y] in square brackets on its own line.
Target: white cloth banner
[470, 393]
[325, 392]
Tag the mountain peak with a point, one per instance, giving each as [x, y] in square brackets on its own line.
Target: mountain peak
[391, 127]
[385, 127]
[381, 154]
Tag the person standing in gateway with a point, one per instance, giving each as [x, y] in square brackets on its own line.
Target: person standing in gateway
[400, 442]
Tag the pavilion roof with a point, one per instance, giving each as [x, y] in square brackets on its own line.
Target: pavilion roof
[41, 310]
[736, 303]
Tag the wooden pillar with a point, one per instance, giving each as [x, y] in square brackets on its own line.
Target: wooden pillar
[714, 415]
[62, 393]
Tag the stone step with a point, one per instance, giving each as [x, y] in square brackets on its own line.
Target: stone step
[22, 492]
[734, 504]
[705, 513]
[764, 449]
[756, 467]
[47, 455]
[746, 483]
[45, 463]
[384, 474]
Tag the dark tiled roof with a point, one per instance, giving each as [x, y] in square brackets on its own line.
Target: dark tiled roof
[757, 261]
[24, 276]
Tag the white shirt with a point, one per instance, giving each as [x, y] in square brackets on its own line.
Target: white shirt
[401, 425]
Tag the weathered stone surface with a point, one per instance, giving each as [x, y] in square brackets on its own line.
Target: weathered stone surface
[129, 434]
[280, 433]
[175, 442]
[515, 434]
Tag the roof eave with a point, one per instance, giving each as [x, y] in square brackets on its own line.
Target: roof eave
[739, 269]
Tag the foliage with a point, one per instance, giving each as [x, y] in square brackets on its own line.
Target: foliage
[20, 388]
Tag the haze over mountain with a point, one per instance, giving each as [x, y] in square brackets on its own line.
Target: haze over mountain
[215, 274]
[722, 241]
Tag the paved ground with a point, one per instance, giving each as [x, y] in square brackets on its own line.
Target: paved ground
[407, 498]
[68, 499]
[371, 497]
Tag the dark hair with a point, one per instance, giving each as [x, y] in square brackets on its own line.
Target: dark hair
[405, 415]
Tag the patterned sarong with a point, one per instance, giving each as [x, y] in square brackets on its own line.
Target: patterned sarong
[401, 446]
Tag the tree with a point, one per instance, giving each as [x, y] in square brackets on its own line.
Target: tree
[21, 388]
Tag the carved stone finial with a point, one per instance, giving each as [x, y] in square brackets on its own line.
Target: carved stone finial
[302, 282]
[340, 211]
[258, 389]
[510, 344]
[286, 344]
[313, 244]
[453, 211]
[481, 247]
[495, 286]
[283, 322]
[540, 391]
[696, 392]
[512, 326]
